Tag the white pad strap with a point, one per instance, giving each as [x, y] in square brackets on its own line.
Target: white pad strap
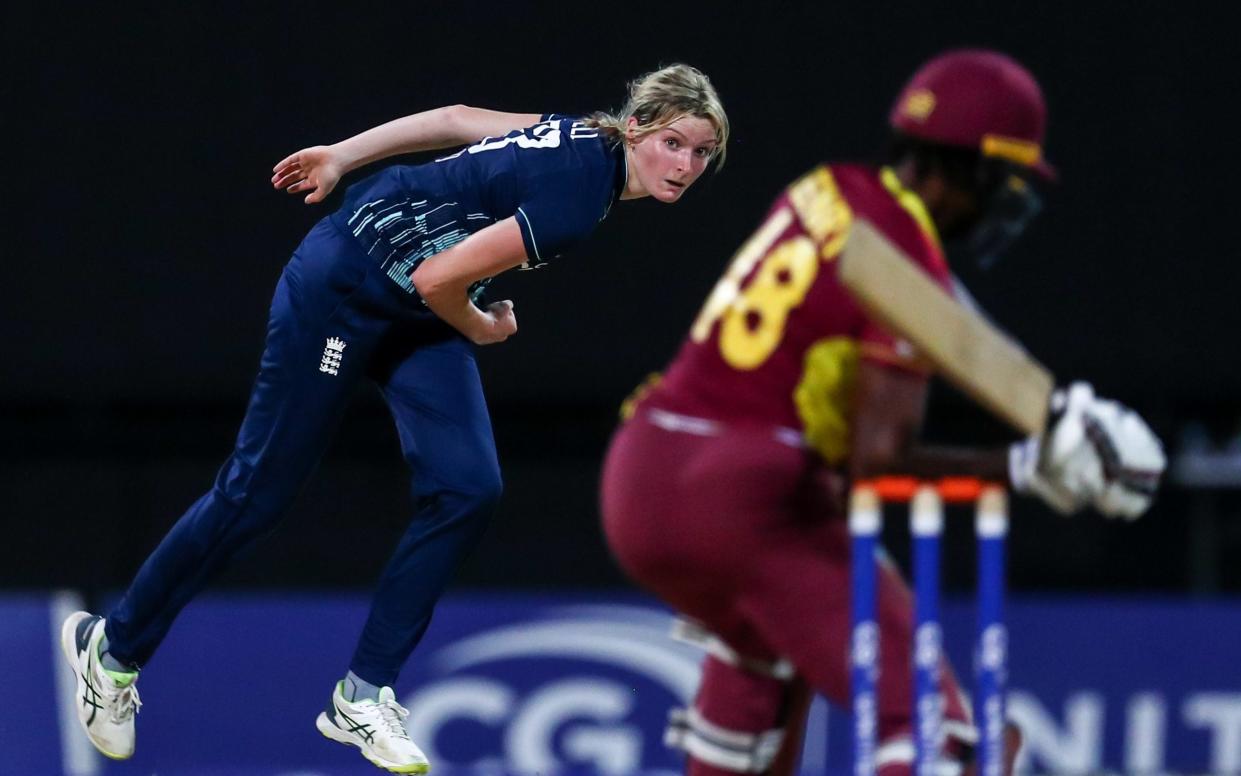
[691, 632]
[961, 731]
[900, 750]
[731, 750]
[896, 751]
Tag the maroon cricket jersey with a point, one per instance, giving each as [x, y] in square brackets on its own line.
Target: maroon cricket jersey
[779, 339]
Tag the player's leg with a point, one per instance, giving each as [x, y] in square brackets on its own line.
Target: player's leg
[436, 398]
[793, 630]
[798, 598]
[742, 717]
[674, 507]
[431, 384]
[294, 407]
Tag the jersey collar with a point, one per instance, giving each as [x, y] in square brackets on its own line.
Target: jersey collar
[911, 202]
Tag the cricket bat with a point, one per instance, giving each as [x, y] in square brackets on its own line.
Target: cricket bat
[962, 346]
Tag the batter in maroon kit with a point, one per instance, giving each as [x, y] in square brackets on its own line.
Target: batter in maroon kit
[723, 492]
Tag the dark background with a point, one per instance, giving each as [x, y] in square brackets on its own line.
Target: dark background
[142, 242]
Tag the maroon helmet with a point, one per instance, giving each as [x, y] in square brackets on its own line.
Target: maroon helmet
[973, 98]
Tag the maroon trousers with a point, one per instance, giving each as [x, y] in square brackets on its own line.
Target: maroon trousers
[744, 533]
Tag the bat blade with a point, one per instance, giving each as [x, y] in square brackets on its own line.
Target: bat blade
[963, 346]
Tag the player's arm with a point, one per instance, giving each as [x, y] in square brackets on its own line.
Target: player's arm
[315, 171]
[443, 281]
[445, 127]
[888, 410]
[1093, 451]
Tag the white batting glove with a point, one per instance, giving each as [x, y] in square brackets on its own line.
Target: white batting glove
[1131, 456]
[1062, 466]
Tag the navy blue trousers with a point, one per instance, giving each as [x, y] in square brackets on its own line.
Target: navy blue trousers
[332, 293]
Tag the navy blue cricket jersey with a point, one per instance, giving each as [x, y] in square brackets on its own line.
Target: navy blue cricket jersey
[558, 177]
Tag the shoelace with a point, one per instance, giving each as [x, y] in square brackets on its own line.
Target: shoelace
[393, 715]
[125, 704]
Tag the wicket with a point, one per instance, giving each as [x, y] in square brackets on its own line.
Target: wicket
[926, 502]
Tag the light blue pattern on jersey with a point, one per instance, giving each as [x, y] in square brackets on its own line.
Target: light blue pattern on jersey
[400, 234]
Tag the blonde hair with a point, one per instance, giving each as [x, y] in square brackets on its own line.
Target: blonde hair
[659, 98]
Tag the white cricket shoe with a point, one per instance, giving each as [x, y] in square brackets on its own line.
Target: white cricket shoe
[375, 727]
[105, 708]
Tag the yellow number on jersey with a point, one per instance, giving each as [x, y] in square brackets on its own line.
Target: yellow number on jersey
[754, 324]
[728, 288]
[752, 320]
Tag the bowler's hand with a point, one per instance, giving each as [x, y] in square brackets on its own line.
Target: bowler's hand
[314, 171]
[501, 323]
